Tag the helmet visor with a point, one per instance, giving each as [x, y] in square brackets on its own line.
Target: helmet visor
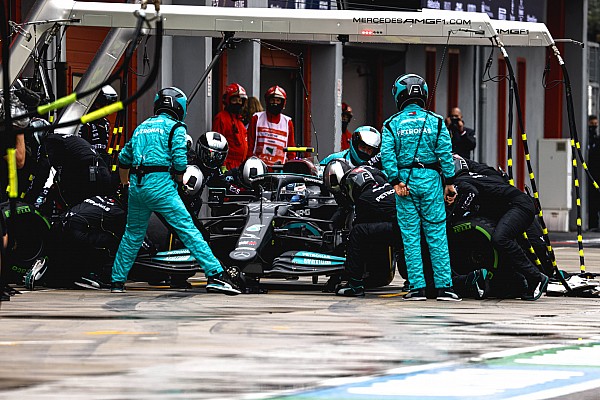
[211, 158]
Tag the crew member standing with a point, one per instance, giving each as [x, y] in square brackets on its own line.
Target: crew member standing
[158, 146]
[415, 146]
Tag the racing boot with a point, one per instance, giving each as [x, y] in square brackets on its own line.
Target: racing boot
[35, 273]
[480, 280]
[91, 281]
[415, 295]
[537, 288]
[222, 283]
[447, 294]
[352, 288]
[117, 287]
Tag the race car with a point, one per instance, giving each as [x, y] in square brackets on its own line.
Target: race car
[283, 228]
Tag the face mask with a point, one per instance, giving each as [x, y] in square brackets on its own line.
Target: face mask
[274, 109]
[592, 130]
[234, 108]
[344, 126]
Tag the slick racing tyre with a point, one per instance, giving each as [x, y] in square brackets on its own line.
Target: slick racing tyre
[470, 245]
[28, 234]
[381, 267]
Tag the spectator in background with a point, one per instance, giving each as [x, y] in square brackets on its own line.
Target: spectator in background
[251, 107]
[346, 118]
[229, 124]
[463, 138]
[271, 131]
[594, 168]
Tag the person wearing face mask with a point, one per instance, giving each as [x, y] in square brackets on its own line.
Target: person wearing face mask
[229, 124]
[594, 168]
[271, 131]
[346, 118]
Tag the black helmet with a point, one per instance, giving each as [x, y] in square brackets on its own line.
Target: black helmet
[460, 165]
[410, 88]
[212, 149]
[356, 180]
[334, 173]
[172, 101]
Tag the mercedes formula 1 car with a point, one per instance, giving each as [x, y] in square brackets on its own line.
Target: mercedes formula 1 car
[283, 228]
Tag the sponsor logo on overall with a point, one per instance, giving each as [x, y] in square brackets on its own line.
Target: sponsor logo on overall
[248, 242]
[254, 228]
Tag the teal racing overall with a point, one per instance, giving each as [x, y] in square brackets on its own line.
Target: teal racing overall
[157, 146]
[415, 145]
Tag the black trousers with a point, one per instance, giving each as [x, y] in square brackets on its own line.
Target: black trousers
[509, 229]
[365, 236]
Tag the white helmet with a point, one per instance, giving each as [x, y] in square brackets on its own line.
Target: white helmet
[212, 149]
[192, 180]
[253, 167]
[334, 173]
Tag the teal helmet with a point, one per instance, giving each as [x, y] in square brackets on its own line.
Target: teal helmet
[171, 101]
[408, 89]
[365, 144]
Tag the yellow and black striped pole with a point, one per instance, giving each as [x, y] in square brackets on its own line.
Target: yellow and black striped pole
[536, 197]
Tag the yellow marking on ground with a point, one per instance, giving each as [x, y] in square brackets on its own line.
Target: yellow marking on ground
[281, 328]
[392, 295]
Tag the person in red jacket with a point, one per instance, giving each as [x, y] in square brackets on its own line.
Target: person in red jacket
[229, 124]
[346, 118]
[271, 131]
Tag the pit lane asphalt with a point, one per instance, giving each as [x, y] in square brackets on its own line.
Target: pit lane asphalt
[157, 343]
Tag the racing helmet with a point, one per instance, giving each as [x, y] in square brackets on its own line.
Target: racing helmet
[234, 89]
[253, 167]
[106, 96]
[365, 143]
[41, 134]
[408, 89]
[334, 173]
[171, 101]
[460, 165]
[212, 149]
[275, 91]
[293, 192]
[356, 180]
[192, 180]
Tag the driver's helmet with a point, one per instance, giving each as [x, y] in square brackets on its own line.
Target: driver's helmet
[294, 193]
[356, 181]
[192, 180]
[253, 167]
[334, 173]
[212, 149]
[460, 165]
[365, 144]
